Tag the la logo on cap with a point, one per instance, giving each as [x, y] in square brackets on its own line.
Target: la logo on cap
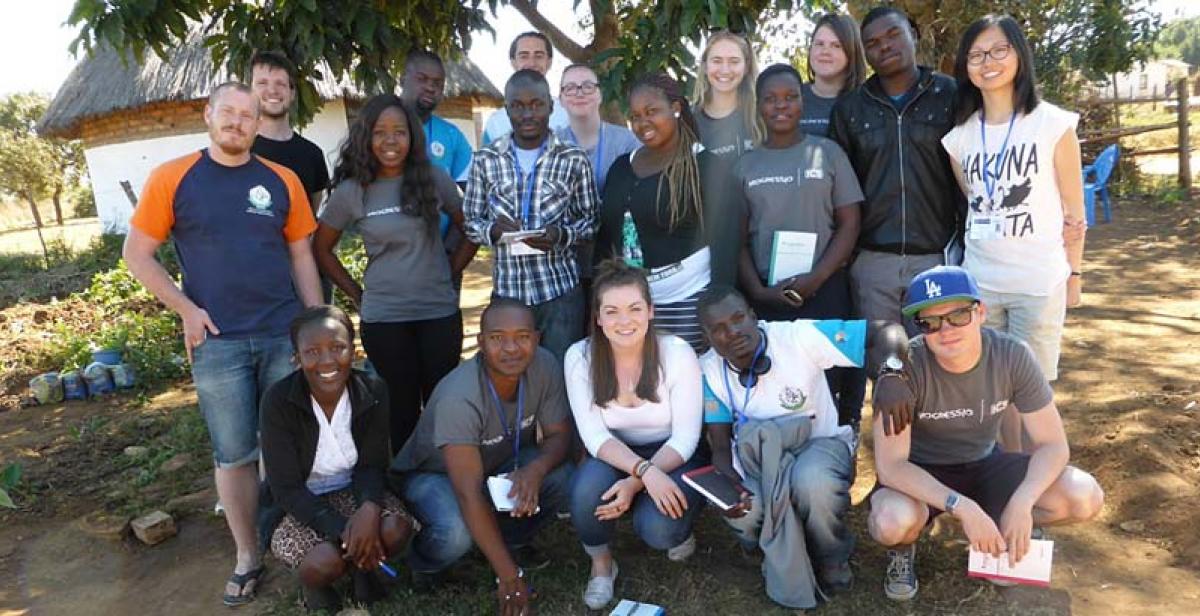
[932, 289]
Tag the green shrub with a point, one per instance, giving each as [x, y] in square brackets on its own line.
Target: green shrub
[353, 255]
[85, 202]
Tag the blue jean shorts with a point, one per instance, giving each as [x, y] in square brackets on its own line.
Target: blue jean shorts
[230, 377]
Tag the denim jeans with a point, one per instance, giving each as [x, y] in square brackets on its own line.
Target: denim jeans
[1033, 319]
[230, 378]
[821, 478]
[560, 321]
[659, 531]
[444, 537]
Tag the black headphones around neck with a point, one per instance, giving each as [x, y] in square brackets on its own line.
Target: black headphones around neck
[759, 365]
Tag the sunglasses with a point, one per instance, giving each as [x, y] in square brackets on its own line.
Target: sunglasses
[956, 318]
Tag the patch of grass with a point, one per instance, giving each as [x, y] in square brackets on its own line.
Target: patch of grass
[717, 580]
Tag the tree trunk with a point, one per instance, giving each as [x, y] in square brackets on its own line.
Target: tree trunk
[37, 216]
[37, 219]
[58, 217]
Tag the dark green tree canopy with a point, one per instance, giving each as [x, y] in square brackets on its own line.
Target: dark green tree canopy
[367, 40]
[1180, 40]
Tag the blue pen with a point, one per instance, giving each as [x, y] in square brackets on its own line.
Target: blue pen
[388, 570]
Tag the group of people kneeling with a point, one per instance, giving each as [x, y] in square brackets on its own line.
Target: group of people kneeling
[642, 403]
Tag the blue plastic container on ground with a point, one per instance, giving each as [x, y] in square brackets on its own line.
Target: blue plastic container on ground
[122, 376]
[74, 387]
[108, 357]
[99, 379]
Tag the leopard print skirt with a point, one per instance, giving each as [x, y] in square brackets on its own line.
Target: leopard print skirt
[292, 540]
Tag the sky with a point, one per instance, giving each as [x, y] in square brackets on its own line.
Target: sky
[35, 44]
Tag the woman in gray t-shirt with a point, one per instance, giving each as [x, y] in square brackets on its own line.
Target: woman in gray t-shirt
[800, 198]
[386, 188]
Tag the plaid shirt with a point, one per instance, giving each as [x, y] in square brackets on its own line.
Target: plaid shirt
[564, 194]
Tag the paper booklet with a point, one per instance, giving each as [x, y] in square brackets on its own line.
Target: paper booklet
[792, 253]
[1034, 569]
[714, 486]
[516, 246]
[498, 488]
[633, 608]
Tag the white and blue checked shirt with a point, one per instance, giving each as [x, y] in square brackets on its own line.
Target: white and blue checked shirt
[564, 194]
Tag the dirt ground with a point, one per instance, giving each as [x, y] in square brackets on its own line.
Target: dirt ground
[1129, 396]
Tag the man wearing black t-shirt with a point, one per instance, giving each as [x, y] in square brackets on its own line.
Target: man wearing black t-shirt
[273, 79]
[272, 76]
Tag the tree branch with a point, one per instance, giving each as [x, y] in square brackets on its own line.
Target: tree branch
[563, 43]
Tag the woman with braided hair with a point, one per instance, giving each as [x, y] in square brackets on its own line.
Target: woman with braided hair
[666, 208]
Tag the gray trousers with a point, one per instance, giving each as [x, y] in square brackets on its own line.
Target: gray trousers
[879, 282]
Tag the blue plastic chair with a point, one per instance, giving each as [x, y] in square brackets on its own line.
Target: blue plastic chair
[1100, 169]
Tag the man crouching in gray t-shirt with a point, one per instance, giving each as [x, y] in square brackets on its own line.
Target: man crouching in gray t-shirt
[481, 423]
[953, 389]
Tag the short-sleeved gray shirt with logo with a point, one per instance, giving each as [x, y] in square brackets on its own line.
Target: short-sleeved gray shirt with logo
[408, 275]
[794, 189]
[957, 416]
[726, 137]
[461, 412]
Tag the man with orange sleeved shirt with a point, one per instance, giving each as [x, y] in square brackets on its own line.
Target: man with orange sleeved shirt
[241, 227]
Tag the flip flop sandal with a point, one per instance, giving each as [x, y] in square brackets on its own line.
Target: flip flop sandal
[247, 584]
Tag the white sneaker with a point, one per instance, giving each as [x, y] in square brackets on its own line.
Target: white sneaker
[599, 591]
[684, 550]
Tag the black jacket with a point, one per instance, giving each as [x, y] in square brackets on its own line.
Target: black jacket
[913, 203]
[289, 434]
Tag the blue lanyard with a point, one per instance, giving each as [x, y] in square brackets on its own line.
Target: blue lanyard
[989, 180]
[527, 191]
[740, 417]
[515, 433]
[596, 164]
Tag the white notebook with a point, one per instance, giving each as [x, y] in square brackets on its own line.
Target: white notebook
[1033, 569]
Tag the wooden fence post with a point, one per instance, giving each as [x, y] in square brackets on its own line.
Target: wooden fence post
[1185, 147]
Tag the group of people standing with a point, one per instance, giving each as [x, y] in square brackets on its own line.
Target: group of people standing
[647, 315]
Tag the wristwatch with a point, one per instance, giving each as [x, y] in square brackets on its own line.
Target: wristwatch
[891, 365]
[952, 500]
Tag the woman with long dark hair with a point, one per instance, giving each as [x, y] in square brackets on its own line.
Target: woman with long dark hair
[636, 397]
[836, 65]
[1017, 160]
[666, 208]
[385, 186]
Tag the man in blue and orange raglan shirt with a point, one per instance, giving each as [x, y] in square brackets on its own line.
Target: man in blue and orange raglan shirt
[241, 228]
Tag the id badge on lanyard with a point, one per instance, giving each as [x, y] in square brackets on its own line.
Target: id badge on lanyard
[990, 224]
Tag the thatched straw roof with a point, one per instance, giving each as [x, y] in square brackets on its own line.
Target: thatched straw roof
[102, 83]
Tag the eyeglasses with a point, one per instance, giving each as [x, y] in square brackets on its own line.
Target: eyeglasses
[999, 52]
[585, 88]
[957, 318]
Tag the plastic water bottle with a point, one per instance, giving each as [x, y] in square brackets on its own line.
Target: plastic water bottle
[99, 380]
[74, 387]
[47, 388]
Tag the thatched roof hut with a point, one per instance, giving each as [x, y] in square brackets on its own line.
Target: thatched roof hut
[132, 117]
[104, 83]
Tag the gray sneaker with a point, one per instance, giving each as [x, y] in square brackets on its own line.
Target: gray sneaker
[900, 582]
